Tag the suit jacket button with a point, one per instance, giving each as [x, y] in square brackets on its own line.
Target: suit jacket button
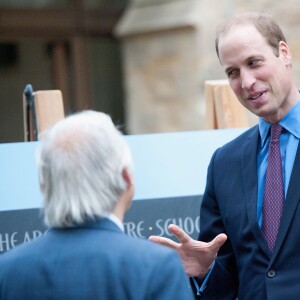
[271, 273]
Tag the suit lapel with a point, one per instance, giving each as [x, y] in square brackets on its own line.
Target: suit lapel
[250, 182]
[291, 203]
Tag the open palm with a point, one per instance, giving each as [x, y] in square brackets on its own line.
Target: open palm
[197, 257]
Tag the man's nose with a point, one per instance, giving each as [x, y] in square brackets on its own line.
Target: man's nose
[247, 79]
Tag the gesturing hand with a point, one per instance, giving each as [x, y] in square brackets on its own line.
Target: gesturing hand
[197, 257]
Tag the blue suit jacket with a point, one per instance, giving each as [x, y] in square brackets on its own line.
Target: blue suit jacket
[245, 267]
[93, 261]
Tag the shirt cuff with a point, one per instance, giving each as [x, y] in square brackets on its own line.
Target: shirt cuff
[200, 289]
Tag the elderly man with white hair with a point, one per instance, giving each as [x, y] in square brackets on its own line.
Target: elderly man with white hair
[86, 178]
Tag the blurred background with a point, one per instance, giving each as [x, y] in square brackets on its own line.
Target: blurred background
[144, 62]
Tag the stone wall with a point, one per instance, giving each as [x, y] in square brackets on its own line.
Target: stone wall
[168, 53]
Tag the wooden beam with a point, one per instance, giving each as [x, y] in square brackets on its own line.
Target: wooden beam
[57, 23]
[81, 74]
[60, 72]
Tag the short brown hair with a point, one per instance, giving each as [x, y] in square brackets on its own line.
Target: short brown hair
[268, 28]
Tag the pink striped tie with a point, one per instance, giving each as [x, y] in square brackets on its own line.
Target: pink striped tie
[274, 190]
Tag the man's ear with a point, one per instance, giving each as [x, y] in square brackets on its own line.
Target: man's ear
[127, 176]
[285, 53]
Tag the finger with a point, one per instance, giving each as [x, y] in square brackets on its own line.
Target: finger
[218, 241]
[163, 241]
[179, 233]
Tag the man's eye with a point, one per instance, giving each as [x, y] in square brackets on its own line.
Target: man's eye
[231, 73]
[253, 63]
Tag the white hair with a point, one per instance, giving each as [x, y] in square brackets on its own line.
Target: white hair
[81, 160]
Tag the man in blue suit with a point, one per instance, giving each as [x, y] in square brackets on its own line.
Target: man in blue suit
[250, 265]
[86, 179]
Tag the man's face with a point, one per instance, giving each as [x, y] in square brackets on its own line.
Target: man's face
[261, 81]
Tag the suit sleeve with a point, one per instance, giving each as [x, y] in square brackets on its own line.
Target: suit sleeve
[168, 280]
[223, 282]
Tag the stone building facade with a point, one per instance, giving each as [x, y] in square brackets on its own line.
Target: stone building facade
[168, 53]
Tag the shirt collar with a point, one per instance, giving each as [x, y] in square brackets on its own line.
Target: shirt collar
[116, 220]
[291, 122]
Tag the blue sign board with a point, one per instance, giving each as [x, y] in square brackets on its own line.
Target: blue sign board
[170, 176]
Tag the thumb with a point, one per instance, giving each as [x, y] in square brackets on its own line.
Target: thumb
[218, 241]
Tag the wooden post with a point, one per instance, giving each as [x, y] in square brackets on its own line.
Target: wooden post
[47, 109]
[60, 72]
[223, 110]
[80, 61]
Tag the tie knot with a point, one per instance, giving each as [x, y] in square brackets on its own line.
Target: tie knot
[276, 130]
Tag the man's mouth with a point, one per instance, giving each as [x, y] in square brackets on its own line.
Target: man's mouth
[256, 96]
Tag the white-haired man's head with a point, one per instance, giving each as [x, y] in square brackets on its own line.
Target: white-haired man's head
[81, 162]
